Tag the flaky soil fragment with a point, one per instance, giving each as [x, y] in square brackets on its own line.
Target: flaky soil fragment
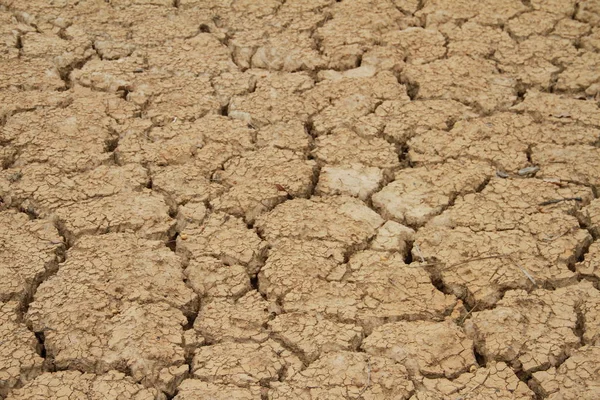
[479, 267]
[157, 76]
[244, 319]
[536, 60]
[533, 23]
[13, 101]
[354, 180]
[191, 213]
[346, 375]
[291, 262]
[29, 74]
[496, 381]
[105, 199]
[577, 378]
[226, 238]
[590, 217]
[240, 364]
[71, 49]
[432, 349]
[592, 41]
[210, 277]
[42, 189]
[488, 12]
[354, 27]
[375, 288]
[588, 11]
[19, 350]
[573, 29]
[312, 335]
[417, 194]
[186, 98]
[207, 142]
[406, 119]
[420, 45]
[117, 302]
[393, 236]
[341, 219]
[589, 315]
[9, 35]
[260, 180]
[192, 389]
[559, 108]
[144, 213]
[182, 184]
[475, 82]
[345, 146]
[76, 385]
[277, 98]
[288, 51]
[503, 238]
[558, 7]
[505, 140]
[393, 289]
[29, 252]
[73, 138]
[590, 265]
[343, 99]
[508, 204]
[581, 75]
[535, 331]
[579, 163]
[484, 140]
[290, 135]
[473, 39]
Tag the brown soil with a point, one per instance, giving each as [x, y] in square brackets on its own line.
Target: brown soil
[302, 199]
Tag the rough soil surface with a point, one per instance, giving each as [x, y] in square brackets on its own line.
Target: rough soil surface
[303, 199]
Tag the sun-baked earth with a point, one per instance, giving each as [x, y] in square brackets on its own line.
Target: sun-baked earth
[301, 199]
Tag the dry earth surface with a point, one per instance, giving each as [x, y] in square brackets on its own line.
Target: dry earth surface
[301, 199]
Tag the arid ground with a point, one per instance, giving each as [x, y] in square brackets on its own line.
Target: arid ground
[301, 199]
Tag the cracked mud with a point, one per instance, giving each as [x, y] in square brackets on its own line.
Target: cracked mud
[301, 199]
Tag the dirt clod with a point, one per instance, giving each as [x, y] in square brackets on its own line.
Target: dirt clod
[136, 291]
[516, 330]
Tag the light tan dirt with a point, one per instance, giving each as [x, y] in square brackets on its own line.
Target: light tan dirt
[311, 336]
[502, 238]
[417, 194]
[243, 364]
[19, 358]
[191, 389]
[139, 303]
[243, 319]
[482, 87]
[346, 374]
[302, 199]
[517, 329]
[590, 265]
[570, 380]
[76, 385]
[496, 381]
[225, 237]
[423, 347]
[590, 217]
[33, 255]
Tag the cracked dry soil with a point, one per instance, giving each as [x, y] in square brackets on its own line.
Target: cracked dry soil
[301, 199]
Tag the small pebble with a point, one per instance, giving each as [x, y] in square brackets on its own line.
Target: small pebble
[501, 174]
[528, 170]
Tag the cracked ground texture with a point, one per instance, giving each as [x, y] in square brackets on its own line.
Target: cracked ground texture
[299, 199]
